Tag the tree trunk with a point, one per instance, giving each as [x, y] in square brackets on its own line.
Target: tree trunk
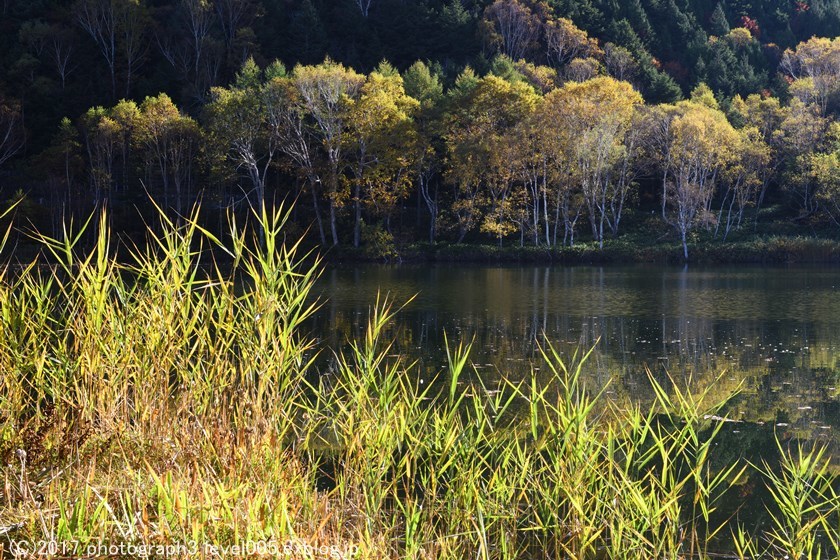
[593, 219]
[431, 204]
[317, 213]
[164, 177]
[462, 233]
[178, 197]
[333, 229]
[357, 210]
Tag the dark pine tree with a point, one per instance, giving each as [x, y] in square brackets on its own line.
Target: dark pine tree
[718, 24]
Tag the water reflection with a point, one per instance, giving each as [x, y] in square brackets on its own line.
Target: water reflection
[774, 329]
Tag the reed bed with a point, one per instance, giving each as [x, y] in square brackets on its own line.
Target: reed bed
[167, 405]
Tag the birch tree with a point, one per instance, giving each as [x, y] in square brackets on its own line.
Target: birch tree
[703, 144]
[189, 45]
[562, 194]
[238, 124]
[118, 28]
[364, 6]
[12, 136]
[512, 27]
[101, 136]
[598, 114]
[171, 141]
[296, 139]
[328, 91]
[815, 64]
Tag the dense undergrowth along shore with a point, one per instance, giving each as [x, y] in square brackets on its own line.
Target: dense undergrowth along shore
[760, 250]
[161, 403]
[770, 240]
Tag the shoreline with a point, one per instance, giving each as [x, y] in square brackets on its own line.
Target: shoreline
[762, 251]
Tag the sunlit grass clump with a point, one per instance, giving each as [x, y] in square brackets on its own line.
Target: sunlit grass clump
[171, 401]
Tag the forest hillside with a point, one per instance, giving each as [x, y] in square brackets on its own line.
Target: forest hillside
[511, 122]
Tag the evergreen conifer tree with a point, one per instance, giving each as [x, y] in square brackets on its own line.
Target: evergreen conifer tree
[718, 24]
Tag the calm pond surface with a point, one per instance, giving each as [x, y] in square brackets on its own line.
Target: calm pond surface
[777, 330]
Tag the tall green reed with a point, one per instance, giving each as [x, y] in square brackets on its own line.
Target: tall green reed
[173, 397]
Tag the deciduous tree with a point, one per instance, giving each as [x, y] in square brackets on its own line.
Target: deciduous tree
[816, 60]
[424, 86]
[381, 142]
[190, 46]
[824, 168]
[702, 144]
[565, 41]
[485, 112]
[364, 6]
[12, 135]
[328, 91]
[801, 132]
[118, 27]
[766, 115]
[597, 114]
[238, 124]
[102, 136]
[297, 141]
[561, 192]
[512, 27]
[620, 63]
[171, 140]
[743, 178]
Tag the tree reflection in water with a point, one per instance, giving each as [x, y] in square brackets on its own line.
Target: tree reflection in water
[777, 330]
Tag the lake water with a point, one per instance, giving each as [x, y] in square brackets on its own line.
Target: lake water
[776, 331]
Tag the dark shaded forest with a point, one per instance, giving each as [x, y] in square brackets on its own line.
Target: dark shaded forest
[526, 122]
